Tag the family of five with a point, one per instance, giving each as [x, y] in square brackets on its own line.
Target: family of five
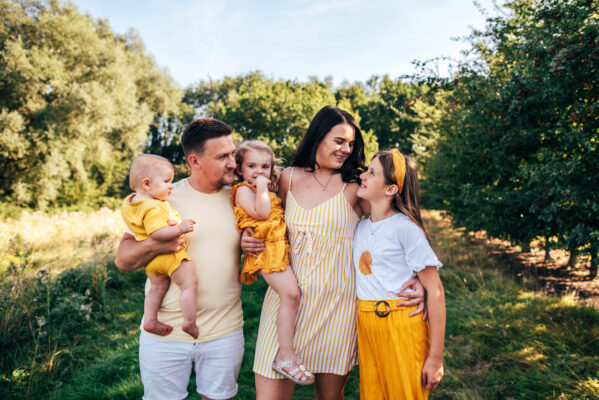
[343, 288]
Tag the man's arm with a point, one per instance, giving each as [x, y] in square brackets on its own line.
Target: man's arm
[250, 245]
[132, 254]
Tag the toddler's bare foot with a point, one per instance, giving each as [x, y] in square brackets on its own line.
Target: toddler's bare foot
[157, 328]
[191, 328]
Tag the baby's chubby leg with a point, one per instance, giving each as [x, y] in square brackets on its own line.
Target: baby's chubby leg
[185, 278]
[159, 286]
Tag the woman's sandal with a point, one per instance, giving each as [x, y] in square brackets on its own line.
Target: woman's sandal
[298, 374]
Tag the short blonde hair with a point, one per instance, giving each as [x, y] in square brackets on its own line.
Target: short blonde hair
[143, 166]
[258, 145]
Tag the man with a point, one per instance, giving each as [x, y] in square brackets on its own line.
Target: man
[165, 362]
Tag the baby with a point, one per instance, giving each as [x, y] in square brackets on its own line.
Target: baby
[148, 214]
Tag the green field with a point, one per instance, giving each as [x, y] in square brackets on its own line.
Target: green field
[71, 332]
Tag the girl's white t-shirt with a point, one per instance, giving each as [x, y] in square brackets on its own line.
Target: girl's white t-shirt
[398, 249]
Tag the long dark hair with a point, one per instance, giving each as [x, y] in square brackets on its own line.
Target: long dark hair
[408, 201]
[321, 124]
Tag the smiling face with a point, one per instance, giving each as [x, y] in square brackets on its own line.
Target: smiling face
[373, 185]
[336, 146]
[255, 163]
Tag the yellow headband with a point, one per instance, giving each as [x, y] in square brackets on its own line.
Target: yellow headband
[399, 163]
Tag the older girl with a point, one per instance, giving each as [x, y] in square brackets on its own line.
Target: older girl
[399, 358]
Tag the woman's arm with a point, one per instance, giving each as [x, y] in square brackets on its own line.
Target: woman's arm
[364, 205]
[132, 254]
[351, 193]
[432, 371]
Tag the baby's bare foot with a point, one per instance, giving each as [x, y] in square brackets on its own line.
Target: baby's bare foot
[157, 328]
[191, 328]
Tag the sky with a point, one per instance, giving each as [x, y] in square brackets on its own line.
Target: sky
[349, 40]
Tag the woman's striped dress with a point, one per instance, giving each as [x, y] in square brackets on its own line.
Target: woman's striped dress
[325, 333]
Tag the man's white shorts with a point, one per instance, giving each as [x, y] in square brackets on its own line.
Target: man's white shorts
[165, 366]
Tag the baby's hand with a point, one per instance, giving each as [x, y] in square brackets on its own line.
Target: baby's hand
[186, 226]
[261, 180]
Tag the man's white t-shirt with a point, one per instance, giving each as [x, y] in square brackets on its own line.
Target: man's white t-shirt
[397, 249]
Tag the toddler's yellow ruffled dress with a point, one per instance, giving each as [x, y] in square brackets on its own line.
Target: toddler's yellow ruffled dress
[274, 233]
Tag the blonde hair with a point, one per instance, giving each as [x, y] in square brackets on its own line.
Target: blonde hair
[142, 168]
[257, 145]
[407, 198]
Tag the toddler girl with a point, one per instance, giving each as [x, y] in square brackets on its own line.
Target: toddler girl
[259, 208]
[148, 214]
[399, 358]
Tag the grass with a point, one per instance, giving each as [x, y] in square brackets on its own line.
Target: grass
[71, 332]
[59, 241]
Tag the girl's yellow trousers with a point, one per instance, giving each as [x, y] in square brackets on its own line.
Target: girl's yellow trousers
[391, 350]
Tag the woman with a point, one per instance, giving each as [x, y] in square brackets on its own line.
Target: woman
[321, 214]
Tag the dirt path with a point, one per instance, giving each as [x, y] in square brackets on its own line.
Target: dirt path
[551, 276]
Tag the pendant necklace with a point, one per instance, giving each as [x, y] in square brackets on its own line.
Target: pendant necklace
[373, 231]
[382, 222]
[324, 187]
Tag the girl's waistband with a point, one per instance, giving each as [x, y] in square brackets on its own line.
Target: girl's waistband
[382, 308]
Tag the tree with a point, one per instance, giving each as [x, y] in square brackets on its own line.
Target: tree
[275, 111]
[76, 104]
[387, 108]
[518, 148]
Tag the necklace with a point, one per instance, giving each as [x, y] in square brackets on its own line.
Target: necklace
[324, 187]
[382, 222]
[373, 231]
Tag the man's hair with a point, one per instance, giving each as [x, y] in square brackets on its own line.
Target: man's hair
[143, 167]
[198, 131]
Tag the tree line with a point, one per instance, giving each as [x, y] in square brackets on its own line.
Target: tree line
[518, 137]
[507, 144]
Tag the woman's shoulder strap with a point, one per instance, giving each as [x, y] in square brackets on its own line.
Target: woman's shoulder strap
[290, 179]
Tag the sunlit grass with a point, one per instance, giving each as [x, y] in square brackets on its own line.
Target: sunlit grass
[504, 341]
[61, 240]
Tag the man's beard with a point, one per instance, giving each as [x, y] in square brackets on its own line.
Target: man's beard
[225, 180]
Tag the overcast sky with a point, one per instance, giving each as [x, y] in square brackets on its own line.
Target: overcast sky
[348, 40]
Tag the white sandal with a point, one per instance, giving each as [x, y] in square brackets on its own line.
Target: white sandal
[307, 376]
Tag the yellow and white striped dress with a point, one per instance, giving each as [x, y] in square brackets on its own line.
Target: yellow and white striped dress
[321, 257]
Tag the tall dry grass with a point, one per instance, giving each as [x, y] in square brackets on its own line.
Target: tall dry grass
[59, 290]
[61, 240]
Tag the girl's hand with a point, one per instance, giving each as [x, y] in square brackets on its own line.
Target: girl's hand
[186, 226]
[432, 372]
[261, 181]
